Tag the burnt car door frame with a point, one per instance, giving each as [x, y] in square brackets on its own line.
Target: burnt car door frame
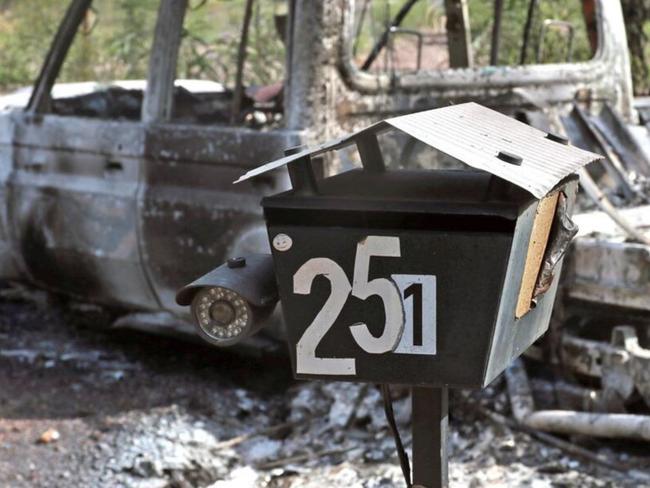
[125, 212]
[191, 217]
[72, 193]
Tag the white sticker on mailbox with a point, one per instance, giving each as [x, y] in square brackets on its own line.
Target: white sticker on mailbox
[418, 294]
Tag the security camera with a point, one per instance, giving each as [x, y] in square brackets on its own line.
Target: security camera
[233, 301]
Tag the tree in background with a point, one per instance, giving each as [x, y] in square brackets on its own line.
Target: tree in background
[637, 20]
[26, 28]
[112, 43]
[211, 37]
[115, 40]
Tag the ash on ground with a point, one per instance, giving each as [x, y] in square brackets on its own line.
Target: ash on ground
[83, 405]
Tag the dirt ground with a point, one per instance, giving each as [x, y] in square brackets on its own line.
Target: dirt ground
[81, 405]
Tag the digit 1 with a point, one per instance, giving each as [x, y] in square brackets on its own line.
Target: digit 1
[415, 291]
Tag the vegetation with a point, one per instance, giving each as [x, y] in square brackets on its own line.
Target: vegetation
[513, 20]
[428, 17]
[212, 35]
[26, 27]
[115, 39]
[637, 20]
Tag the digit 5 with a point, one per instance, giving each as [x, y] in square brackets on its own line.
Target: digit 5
[381, 246]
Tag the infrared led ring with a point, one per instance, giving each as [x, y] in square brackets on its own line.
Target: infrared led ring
[222, 315]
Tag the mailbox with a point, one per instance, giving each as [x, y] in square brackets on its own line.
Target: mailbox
[423, 277]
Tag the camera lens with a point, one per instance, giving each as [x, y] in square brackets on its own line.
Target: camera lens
[221, 314]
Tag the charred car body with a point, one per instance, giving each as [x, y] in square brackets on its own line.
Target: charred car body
[122, 195]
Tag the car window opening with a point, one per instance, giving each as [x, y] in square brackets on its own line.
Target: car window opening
[410, 36]
[113, 86]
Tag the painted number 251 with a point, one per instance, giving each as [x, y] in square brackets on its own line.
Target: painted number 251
[408, 300]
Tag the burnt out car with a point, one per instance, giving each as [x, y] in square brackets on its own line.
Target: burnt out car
[121, 194]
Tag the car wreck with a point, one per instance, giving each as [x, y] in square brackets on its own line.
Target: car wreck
[119, 194]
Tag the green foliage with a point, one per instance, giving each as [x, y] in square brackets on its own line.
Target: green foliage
[117, 36]
[211, 41]
[555, 43]
[26, 27]
[114, 41]
[427, 16]
[637, 23]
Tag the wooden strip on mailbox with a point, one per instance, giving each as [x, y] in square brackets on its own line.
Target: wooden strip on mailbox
[536, 248]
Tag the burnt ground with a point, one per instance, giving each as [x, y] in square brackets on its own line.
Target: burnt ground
[82, 405]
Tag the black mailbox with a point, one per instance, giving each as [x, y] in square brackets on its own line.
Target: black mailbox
[423, 277]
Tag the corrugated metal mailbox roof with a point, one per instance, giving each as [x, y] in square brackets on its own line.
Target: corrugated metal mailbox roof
[475, 135]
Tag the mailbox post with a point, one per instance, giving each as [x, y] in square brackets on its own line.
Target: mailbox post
[429, 427]
[434, 279]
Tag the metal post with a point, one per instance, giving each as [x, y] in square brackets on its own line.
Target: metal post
[158, 102]
[40, 96]
[370, 152]
[301, 173]
[430, 428]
